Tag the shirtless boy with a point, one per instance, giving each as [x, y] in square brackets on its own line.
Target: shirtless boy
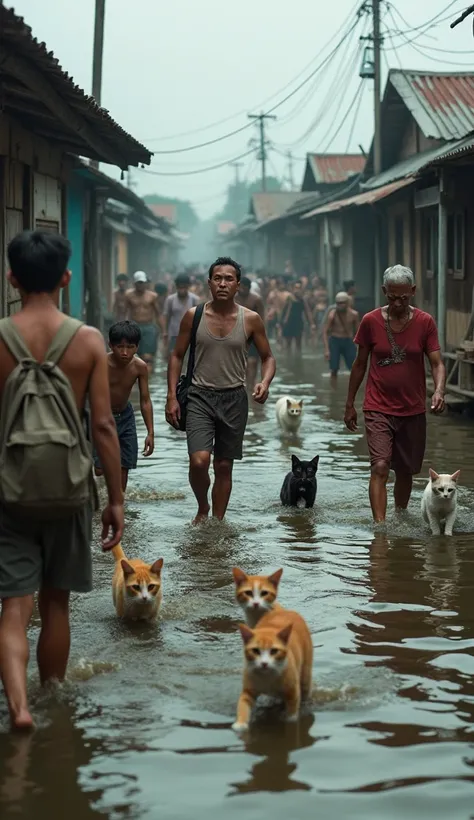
[125, 369]
[51, 557]
[119, 307]
[143, 308]
[339, 329]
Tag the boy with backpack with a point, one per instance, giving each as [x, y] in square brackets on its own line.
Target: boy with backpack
[50, 365]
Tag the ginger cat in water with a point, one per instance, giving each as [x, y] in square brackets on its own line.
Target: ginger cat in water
[278, 662]
[136, 587]
[256, 594]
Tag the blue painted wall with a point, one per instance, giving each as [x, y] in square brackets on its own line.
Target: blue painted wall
[75, 232]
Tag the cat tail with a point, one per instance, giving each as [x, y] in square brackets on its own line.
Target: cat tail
[118, 553]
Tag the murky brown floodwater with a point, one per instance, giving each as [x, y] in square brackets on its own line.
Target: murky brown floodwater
[142, 728]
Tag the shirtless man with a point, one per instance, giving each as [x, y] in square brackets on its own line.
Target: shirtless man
[282, 296]
[339, 329]
[51, 557]
[253, 302]
[119, 307]
[125, 369]
[143, 308]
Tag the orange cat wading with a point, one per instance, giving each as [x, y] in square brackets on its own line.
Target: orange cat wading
[136, 587]
[278, 661]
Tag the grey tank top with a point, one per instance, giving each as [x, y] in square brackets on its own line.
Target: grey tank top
[221, 363]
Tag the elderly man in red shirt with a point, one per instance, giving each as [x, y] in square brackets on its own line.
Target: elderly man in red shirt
[396, 338]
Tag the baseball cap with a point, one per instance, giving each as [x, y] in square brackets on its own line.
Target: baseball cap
[140, 276]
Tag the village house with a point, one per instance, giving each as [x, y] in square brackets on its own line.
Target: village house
[46, 122]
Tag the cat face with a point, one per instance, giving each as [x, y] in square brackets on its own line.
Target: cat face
[256, 594]
[304, 470]
[444, 485]
[265, 650]
[143, 583]
[294, 408]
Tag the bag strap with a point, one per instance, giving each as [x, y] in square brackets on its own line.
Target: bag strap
[192, 347]
[62, 339]
[14, 340]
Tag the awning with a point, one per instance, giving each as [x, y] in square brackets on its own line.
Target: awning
[366, 198]
[118, 227]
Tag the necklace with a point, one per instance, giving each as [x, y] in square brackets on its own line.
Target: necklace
[406, 320]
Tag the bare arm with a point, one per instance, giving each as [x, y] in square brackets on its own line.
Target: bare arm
[104, 434]
[165, 317]
[357, 377]
[175, 366]
[308, 313]
[260, 340]
[438, 371]
[325, 330]
[146, 407]
[157, 311]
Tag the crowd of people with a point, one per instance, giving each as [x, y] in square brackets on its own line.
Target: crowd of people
[58, 384]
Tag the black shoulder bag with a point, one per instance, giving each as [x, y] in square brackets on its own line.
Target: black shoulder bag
[185, 381]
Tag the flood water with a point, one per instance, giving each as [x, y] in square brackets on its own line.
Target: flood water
[142, 728]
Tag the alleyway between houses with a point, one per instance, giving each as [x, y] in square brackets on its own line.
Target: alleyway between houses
[142, 727]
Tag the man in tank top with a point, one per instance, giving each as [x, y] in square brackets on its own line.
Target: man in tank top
[218, 405]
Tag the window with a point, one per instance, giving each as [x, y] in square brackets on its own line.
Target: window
[399, 240]
[456, 244]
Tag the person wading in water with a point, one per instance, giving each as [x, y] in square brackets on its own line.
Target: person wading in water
[252, 302]
[143, 308]
[218, 404]
[339, 330]
[396, 338]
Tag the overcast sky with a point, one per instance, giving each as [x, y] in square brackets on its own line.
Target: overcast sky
[174, 67]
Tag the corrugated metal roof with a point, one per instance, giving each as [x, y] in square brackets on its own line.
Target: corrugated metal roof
[19, 44]
[414, 164]
[224, 228]
[333, 168]
[268, 205]
[366, 198]
[166, 210]
[442, 104]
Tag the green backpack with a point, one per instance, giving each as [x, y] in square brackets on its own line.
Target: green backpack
[45, 457]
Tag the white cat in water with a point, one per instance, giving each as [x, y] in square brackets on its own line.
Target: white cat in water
[289, 413]
[439, 502]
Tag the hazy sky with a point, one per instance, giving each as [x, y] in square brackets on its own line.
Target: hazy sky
[173, 67]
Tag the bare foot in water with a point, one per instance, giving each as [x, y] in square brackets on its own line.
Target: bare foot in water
[22, 721]
[201, 516]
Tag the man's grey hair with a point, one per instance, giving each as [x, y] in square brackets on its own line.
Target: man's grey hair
[399, 275]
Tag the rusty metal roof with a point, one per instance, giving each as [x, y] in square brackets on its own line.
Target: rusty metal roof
[334, 168]
[167, 210]
[442, 104]
[269, 205]
[366, 198]
[37, 91]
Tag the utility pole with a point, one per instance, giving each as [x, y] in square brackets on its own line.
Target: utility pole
[377, 88]
[290, 171]
[263, 145]
[97, 56]
[236, 166]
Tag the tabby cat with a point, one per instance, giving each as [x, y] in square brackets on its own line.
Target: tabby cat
[136, 587]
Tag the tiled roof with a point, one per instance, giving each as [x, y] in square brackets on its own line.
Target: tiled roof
[442, 104]
[166, 210]
[44, 98]
[334, 168]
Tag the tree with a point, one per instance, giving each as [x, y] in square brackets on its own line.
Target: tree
[187, 216]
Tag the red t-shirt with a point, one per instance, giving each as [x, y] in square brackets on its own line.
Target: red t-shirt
[399, 389]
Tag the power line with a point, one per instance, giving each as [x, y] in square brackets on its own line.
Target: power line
[196, 171]
[270, 110]
[355, 10]
[420, 49]
[356, 115]
[344, 118]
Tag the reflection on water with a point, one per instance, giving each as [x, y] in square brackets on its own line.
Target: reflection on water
[142, 727]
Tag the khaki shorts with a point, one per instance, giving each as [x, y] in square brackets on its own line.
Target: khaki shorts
[216, 421]
[399, 441]
[53, 554]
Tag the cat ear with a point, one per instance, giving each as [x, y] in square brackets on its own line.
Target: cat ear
[284, 634]
[315, 462]
[275, 578]
[300, 403]
[434, 476]
[239, 576]
[246, 632]
[127, 569]
[288, 404]
[456, 475]
[295, 461]
[157, 567]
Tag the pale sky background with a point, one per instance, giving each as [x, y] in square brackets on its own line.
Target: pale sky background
[173, 67]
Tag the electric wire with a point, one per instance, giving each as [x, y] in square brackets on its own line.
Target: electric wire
[196, 170]
[355, 118]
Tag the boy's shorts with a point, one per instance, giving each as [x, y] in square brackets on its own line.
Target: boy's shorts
[127, 436]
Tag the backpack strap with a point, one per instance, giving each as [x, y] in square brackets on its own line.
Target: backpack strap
[192, 346]
[14, 340]
[63, 337]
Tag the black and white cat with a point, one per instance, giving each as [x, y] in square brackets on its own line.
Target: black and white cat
[300, 486]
